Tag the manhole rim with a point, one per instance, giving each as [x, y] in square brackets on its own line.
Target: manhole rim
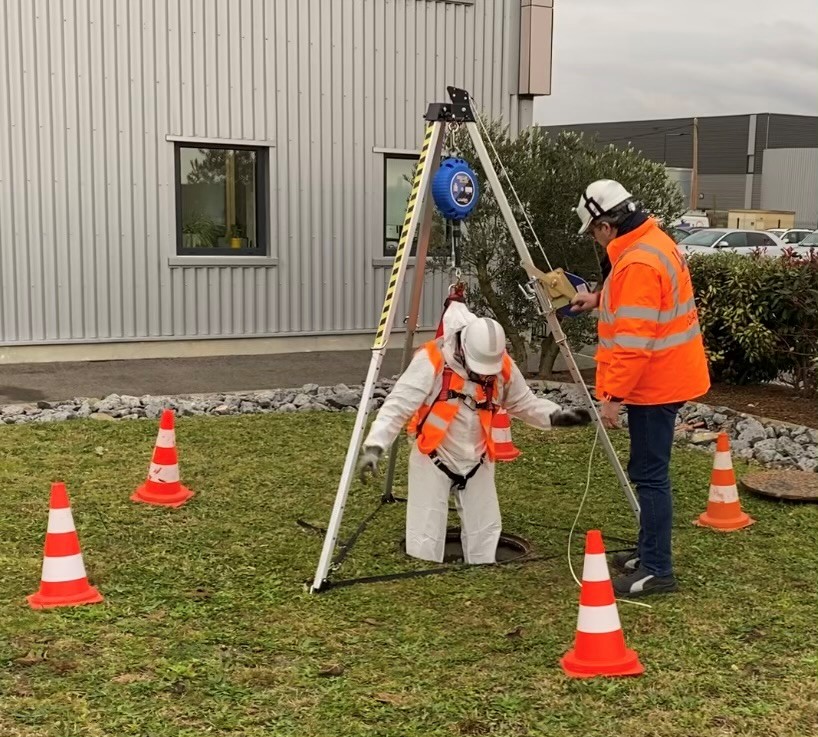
[514, 542]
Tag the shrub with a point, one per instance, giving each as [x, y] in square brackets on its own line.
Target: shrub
[759, 317]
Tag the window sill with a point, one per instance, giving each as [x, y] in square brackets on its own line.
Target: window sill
[190, 261]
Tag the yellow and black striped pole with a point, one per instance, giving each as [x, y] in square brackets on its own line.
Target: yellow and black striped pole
[407, 237]
[414, 207]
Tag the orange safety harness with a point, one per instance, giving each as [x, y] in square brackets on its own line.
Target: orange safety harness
[431, 422]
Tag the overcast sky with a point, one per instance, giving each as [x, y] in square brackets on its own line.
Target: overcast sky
[640, 59]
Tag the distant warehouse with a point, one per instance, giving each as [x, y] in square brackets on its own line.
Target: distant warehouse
[758, 161]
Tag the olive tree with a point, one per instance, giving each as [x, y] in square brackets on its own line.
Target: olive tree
[548, 173]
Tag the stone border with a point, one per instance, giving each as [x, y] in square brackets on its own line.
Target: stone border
[770, 442]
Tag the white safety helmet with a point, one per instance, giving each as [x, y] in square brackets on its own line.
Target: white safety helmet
[598, 199]
[484, 343]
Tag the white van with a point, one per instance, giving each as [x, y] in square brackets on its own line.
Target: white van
[693, 219]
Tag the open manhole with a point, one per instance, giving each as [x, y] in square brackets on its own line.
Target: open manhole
[511, 547]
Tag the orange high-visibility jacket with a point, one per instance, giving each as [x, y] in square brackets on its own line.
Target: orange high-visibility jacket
[650, 345]
[431, 422]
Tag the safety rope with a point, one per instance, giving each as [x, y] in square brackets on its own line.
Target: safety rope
[520, 205]
[456, 292]
[524, 211]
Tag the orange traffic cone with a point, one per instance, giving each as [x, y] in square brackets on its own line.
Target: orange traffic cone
[723, 507]
[599, 648]
[63, 581]
[163, 486]
[501, 434]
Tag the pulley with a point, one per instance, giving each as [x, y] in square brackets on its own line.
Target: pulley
[454, 189]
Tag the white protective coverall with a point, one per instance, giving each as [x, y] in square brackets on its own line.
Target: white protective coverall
[461, 450]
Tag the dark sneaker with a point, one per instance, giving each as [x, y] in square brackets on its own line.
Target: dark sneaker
[642, 583]
[626, 561]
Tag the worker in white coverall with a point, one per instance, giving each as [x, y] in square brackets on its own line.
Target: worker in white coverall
[448, 395]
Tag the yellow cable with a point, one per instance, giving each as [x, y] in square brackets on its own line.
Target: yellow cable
[576, 519]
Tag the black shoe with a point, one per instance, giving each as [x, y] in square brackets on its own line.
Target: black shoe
[642, 583]
[626, 561]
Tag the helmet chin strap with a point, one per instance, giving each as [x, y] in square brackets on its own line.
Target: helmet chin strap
[478, 378]
[461, 356]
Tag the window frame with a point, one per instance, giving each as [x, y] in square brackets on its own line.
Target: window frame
[741, 234]
[261, 196]
[760, 234]
[793, 233]
[384, 240]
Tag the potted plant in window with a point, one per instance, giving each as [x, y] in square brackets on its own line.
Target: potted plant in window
[235, 236]
[199, 231]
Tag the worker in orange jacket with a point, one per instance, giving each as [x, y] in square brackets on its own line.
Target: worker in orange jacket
[650, 358]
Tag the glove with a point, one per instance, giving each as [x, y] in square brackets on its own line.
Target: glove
[569, 417]
[368, 462]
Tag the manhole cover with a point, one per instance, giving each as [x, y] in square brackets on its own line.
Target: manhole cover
[510, 547]
[797, 486]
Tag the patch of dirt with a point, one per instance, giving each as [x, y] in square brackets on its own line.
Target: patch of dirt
[765, 400]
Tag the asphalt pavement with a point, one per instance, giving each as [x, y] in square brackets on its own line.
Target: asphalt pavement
[30, 382]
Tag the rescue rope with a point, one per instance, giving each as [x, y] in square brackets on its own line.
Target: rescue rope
[576, 519]
[499, 161]
[487, 137]
[456, 293]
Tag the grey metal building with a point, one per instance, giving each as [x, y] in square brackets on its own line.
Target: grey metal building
[734, 152]
[179, 170]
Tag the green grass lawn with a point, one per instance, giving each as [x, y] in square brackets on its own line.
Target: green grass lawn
[207, 629]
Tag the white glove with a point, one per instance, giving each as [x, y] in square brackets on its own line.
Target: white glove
[368, 462]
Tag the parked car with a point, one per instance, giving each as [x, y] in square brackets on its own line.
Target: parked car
[680, 232]
[811, 241]
[790, 236]
[710, 240]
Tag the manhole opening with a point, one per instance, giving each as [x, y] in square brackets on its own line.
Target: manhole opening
[510, 547]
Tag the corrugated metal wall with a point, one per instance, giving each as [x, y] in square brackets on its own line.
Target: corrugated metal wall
[89, 89]
[793, 131]
[790, 182]
[725, 190]
[722, 140]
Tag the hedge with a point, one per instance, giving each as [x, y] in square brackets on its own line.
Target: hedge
[759, 316]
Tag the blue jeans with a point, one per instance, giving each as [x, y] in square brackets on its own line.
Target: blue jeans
[651, 430]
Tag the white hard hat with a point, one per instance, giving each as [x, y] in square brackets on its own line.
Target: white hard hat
[599, 198]
[484, 343]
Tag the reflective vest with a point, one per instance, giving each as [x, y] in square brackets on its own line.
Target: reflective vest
[431, 422]
[665, 334]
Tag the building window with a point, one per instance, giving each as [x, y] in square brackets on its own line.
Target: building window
[398, 172]
[221, 203]
[751, 163]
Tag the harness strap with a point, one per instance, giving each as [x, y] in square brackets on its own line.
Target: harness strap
[469, 401]
[458, 480]
[447, 382]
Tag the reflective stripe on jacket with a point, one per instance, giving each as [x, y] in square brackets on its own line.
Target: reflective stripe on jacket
[431, 422]
[650, 345]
